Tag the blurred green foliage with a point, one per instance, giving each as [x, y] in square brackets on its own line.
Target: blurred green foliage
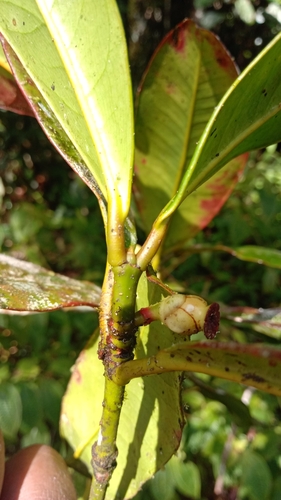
[231, 447]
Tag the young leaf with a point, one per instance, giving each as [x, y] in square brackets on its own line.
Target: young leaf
[248, 117]
[256, 365]
[150, 425]
[84, 78]
[187, 77]
[28, 287]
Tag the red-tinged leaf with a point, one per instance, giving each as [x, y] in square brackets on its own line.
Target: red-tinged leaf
[254, 365]
[188, 75]
[11, 97]
[28, 287]
[204, 204]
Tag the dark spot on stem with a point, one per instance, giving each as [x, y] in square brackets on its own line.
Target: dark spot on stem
[253, 376]
[172, 355]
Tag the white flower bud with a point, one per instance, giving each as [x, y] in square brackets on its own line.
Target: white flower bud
[188, 314]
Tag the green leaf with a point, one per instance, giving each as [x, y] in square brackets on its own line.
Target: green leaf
[10, 410]
[248, 117]
[50, 123]
[262, 255]
[187, 77]
[254, 365]
[84, 78]
[28, 287]
[151, 421]
[266, 321]
[186, 477]
[256, 477]
[31, 408]
[162, 485]
[251, 253]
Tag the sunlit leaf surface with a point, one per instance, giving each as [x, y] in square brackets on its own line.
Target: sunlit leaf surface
[187, 77]
[151, 420]
[75, 53]
[28, 287]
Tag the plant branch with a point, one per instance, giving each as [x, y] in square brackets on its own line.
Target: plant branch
[104, 451]
[116, 346]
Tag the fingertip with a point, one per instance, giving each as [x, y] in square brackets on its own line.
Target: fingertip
[2, 460]
[37, 473]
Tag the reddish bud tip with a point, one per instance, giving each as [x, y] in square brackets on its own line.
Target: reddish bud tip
[212, 321]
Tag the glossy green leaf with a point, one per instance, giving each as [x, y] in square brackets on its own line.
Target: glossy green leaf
[50, 124]
[28, 287]
[254, 365]
[256, 478]
[187, 77]
[84, 78]
[248, 117]
[151, 421]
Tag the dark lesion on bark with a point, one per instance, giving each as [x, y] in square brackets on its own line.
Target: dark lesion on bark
[103, 467]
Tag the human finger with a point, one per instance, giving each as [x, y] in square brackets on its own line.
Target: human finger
[37, 473]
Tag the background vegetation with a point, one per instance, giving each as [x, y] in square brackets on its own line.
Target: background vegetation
[231, 446]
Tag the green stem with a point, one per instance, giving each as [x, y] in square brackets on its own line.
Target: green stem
[118, 330]
[104, 451]
[151, 245]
